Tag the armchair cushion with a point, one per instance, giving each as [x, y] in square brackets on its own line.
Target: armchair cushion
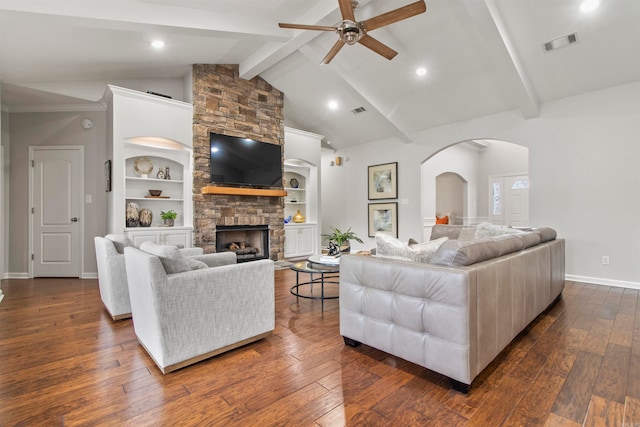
[171, 258]
[120, 241]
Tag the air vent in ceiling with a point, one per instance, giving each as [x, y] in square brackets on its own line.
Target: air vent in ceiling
[560, 42]
[358, 110]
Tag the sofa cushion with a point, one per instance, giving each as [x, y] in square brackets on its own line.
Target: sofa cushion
[120, 241]
[546, 233]
[467, 233]
[487, 229]
[508, 243]
[465, 252]
[390, 247]
[171, 258]
[529, 238]
[444, 230]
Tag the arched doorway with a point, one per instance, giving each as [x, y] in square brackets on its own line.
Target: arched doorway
[451, 197]
[478, 164]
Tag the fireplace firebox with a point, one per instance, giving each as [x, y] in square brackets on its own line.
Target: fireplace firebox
[249, 242]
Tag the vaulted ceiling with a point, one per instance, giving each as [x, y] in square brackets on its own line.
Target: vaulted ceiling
[481, 56]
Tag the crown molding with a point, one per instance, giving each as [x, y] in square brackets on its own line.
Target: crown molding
[55, 108]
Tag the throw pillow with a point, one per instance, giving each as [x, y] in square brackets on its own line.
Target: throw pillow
[120, 241]
[390, 247]
[442, 220]
[171, 258]
[487, 229]
[422, 252]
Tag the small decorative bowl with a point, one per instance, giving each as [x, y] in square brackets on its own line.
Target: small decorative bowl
[155, 192]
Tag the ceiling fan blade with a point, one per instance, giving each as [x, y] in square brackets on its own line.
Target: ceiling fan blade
[395, 15]
[334, 50]
[346, 8]
[307, 27]
[377, 46]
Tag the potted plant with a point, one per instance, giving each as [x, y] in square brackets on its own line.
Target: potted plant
[168, 217]
[341, 238]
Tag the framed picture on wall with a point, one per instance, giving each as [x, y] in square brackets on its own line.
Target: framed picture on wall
[383, 181]
[107, 176]
[383, 218]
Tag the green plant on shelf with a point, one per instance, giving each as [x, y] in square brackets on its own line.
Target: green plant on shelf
[168, 214]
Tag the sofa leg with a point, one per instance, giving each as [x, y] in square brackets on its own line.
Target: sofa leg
[459, 386]
[350, 342]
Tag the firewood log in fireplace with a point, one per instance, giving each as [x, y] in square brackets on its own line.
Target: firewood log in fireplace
[242, 248]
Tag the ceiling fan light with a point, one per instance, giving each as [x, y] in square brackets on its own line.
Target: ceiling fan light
[351, 38]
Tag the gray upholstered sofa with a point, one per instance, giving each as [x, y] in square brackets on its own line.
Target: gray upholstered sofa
[457, 312]
[188, 309]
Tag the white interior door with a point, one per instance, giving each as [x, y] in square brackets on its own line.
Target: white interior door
[516, 207]
[56, 208]
[509, 200]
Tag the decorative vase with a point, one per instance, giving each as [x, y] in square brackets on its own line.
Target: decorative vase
[345, 247]
[132, 215]
[168, 222]
[146, 216]
[298, 217]
[166, 173]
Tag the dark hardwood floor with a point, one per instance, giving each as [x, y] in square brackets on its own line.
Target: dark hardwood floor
[64, 362]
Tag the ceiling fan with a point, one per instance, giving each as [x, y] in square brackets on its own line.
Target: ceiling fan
[351, 31]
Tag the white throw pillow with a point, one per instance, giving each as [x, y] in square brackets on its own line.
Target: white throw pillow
[171, 258]
[487, 229]
[423, 252]
[390, 247]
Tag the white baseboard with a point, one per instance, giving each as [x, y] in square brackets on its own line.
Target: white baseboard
[17, 276]
[603, 281]
[89, 276]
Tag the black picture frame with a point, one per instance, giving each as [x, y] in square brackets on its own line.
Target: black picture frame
[383, 218]
[383, 181]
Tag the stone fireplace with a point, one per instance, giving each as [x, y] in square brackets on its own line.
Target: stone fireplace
[249, 242]
[227, 104]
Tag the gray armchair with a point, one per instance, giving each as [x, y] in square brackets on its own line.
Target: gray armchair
[112, 275]
[201, 308]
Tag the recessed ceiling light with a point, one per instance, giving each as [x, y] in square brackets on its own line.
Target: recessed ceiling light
[157, 44]
[333, 105]
[589, 5]
[421, 71]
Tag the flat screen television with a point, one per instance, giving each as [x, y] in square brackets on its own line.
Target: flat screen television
[244, 162]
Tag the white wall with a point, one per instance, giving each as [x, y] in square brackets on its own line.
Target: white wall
[583, 155]
[457, 159]
[4, 194]
[46, 129]
[94, 90]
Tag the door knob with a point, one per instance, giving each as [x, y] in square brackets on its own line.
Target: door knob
[74, 219]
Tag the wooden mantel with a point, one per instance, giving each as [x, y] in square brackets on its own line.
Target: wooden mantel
[240, 191]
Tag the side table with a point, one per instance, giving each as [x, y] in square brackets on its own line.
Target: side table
[325, 273]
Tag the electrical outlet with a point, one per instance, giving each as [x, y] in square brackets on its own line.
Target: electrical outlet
[605, 260]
